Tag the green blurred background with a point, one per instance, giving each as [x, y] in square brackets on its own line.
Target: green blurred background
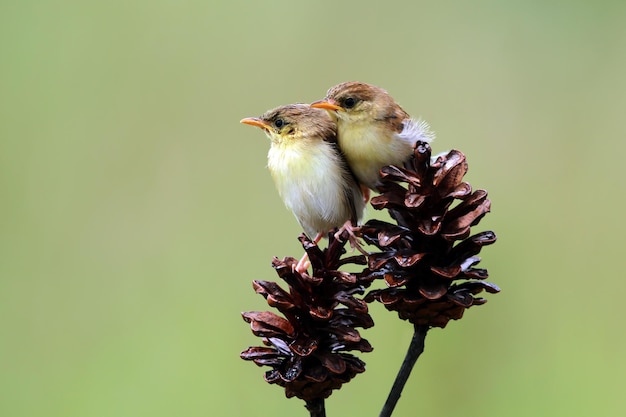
[136, 210]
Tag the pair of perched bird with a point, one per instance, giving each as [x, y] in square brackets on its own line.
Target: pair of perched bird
[327, 155]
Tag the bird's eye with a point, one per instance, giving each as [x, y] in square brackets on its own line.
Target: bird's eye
[279, 123]
[349, 102]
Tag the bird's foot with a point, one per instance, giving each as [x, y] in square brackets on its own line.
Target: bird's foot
[303, 264]
[354, 241]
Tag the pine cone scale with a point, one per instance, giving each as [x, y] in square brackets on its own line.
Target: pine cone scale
[430, 248]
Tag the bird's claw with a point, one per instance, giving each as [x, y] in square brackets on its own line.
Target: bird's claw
[354, 241]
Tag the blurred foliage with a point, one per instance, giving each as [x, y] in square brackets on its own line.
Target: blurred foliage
[136, 210]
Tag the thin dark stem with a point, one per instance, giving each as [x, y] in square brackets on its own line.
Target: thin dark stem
[316, 407]
[415, 350]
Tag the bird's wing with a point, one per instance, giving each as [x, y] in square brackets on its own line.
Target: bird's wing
[352, 191]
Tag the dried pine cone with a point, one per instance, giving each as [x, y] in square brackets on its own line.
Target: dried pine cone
[306, 348]
[430, 249]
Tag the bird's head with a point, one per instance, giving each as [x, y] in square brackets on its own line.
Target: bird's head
[293, 122]
[355, 101]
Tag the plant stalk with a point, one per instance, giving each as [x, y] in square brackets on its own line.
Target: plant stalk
[416, 347]
[316, 407]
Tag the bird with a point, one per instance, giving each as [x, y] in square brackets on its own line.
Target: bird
[310, 173]
[372, 129]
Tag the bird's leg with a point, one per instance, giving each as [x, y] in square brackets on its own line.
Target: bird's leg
[304, 264]
[366, 193]
[352, 238]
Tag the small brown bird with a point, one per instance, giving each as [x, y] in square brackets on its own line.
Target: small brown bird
[309, 171]
[372, 129]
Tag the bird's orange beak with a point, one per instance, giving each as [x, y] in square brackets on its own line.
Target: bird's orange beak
[255, 121]
[327, 104]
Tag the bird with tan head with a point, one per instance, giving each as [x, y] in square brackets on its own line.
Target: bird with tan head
[309, 171]
[372, 129]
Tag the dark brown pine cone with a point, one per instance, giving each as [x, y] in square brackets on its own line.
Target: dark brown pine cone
[428, 258]
[306, 348]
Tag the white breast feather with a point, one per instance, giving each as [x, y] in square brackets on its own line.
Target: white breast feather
[310, 182]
